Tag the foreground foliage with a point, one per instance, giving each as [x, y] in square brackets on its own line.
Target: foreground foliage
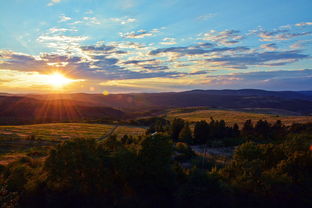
[270, 169]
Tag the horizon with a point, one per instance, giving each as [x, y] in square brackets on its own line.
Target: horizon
[135, 46]
[105, 93]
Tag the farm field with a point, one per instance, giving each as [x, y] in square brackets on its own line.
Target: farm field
[231, 117]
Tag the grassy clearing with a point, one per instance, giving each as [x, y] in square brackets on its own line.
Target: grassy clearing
[61, 131]
[232, 117]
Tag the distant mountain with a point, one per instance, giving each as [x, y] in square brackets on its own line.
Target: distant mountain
[17, 109]
[82, 106]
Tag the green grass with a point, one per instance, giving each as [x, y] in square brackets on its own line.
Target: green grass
[232, 117]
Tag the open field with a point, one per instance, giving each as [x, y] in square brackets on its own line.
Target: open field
[60, 131]
[232, 117]
[17, 141]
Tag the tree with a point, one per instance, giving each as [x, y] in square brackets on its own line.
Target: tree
[156, 180]
[263, 129]
[201, 190]
[201, 132]
[279, 130]
[247, 130]
[236, 131]
[79, 167]
[176, 127]
[186, 134]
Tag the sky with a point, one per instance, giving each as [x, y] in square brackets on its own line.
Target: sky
[97, 46]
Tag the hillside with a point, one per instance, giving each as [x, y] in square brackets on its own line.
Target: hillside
[17, 109]
[231, 117]
[300, 102]
[77, 107]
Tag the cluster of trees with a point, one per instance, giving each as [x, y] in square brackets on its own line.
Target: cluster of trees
[142, 172]
[278, 174]
[263, 130]
[180, 130]
[83, 173]
[217, 132]
[147, 171]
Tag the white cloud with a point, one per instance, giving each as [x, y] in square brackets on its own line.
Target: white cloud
[63, 18]
[123, 20]
[62, 38]
[168, 41]
[138, 34]
[87, 21]
[91, 20]
[52, 2]
[62, 43]
[226, 37]
[60, 30]
[304, 24]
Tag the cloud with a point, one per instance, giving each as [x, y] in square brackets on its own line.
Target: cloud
[279, 35]
[91, 20]
[62, 38]
[202, 48]
[242, 61]
[139, 34]
[64, 18]
[128, 45]
[226, 37]
[269, 46]
[168, 41]
[87, 21]
[123, 20]
[52, 2]
[61, 30]
[301, 44]
[205, 17]
[19, 61]
[62, 43]
[102, 49]
[303, 24]
[271, 80]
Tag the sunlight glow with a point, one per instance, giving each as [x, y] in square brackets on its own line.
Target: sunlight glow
[58, 80]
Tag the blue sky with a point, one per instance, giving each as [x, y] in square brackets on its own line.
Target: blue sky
[151, 46]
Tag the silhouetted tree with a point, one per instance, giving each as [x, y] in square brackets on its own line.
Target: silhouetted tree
[248, 129]
[201, 132]
[186, 134]
[176, 127]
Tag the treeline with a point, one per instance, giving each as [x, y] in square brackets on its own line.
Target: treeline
[216, 132]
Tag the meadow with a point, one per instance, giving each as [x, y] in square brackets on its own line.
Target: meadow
[231, 117]
[17, 141]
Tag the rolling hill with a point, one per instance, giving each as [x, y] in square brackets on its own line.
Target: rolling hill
[85, 107]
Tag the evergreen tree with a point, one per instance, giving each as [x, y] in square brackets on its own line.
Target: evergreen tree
[186, 134]
[176, 127]
[201, 132]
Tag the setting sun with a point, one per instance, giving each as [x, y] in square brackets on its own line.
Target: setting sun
[58, 80]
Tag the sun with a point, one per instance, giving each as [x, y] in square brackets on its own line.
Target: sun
[58, 80]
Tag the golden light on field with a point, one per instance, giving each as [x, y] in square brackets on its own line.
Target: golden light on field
[105, 92]
[58, 80]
